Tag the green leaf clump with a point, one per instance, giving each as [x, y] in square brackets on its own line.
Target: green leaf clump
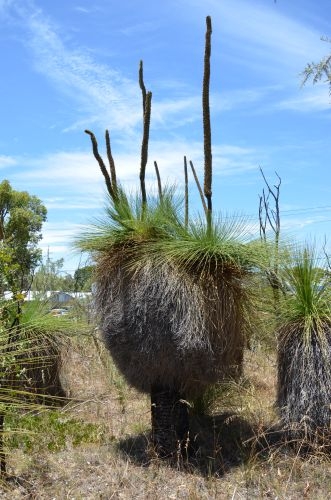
[159, 230]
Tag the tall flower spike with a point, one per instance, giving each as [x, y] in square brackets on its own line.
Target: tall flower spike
[158, 177]
[101, 164]
[206, 123]
[111, 164]
[144, 146]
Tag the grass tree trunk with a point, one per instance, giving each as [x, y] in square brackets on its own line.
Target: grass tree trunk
[2, 452]
[170, 421]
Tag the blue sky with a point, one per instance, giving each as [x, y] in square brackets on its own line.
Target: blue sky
[67, 66]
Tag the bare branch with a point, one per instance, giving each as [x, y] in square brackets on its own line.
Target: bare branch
[262, 219]
[271, 216]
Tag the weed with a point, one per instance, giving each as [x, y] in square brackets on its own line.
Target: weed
[52, 430]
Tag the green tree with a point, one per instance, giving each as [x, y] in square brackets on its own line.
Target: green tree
[21, 219]
[83, 278]
[50, 276]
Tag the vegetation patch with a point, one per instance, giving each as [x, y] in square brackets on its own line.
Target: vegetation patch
[52, 430]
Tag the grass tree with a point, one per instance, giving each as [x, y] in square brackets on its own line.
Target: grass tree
[171, 294]
[30, 339]
[30, 351]
[304, 346]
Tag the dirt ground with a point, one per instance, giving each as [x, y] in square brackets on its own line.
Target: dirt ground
[236, 454]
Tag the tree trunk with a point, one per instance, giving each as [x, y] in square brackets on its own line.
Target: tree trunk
[170, 421]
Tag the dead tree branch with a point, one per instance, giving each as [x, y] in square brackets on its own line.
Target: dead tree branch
[271, 216]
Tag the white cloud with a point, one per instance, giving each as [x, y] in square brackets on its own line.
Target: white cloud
[180, 111]
[81, 9]
[103, 96]
[6, 161]
[76, 178]
[58, 240]
[56, 232]
[136, 29]
[259, 35]
[309, 100]
[5, 4]
[278, 35]
[78, 203]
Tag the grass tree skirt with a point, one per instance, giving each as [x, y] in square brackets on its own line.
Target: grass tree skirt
[169, 327]
[304, 378]
[304, 350]
[171, 333]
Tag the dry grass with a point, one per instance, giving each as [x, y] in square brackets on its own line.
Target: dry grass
[234, 457]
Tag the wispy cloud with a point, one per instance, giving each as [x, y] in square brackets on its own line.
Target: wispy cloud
[188, 109]
[5, 4]
[310, 99]
[103, 96]
[55, 232]
[78, 203]
[279, 43]
[267, 28]
[81, 9]
[7, 161]
[58, 239]
[136, 29]
[78, 173]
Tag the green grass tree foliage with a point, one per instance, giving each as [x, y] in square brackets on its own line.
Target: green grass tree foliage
[171, 295]
[304, 346]
[21, 219]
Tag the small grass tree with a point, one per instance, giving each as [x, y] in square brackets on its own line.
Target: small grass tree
[304, 347]
[171, 294]
[30, 343]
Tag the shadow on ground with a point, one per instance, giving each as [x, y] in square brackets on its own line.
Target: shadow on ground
[217, 444]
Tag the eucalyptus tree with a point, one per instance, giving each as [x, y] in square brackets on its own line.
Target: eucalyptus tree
[21, 219]
[317, 71]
